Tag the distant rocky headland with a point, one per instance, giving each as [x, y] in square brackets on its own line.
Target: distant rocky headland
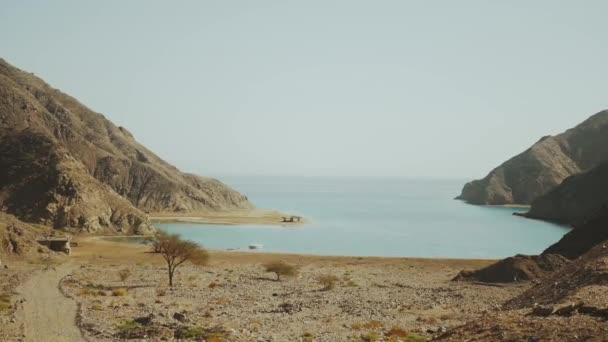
[65, 166]
[538, 170]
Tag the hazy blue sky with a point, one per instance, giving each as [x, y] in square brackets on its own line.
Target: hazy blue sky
[358, 88]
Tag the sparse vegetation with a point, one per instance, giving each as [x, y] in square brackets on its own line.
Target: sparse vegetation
[373, 325]
[120, 292]
[5, 301]
[307, 337]
[281, 268]
[396, 332]
[176, 251]
[328, 281]
[128, 325]
[124, 274]
[370, 336]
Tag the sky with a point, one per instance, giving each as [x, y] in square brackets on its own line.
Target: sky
[437, 89]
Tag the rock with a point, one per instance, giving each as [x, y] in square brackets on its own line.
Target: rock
[542, 311]
[180, 317]
[145, 320]
[568, 310]
[534, 172]
[82, 172]
[516, 268]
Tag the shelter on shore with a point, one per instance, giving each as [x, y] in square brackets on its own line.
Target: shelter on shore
[56, 243]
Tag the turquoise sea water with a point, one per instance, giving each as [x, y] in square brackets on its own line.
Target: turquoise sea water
[370, 217]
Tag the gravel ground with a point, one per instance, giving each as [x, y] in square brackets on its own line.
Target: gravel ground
[241, 302]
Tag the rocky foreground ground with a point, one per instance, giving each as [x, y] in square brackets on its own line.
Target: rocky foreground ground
[374, 299]
[234, 299]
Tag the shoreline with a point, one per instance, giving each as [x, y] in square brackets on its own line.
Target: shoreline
[237, 217]
[114, 240]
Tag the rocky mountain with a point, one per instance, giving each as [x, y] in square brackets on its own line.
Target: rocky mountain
[577, 199]
[542, 167]
[66, 166]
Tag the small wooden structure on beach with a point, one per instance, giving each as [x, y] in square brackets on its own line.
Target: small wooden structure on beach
[56, 243]
[291, 219]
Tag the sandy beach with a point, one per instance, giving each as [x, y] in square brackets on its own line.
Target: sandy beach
[255, 216]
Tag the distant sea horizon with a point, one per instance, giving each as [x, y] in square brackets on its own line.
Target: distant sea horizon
[392, 217]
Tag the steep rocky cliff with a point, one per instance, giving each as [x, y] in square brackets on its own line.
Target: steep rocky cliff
[577, 199]
[61, 164]
[531, 174]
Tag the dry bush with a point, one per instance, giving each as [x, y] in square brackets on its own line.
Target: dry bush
[371, 336]
[5, 301]
[307, 337]
[88, 292]
[124, 274]
[161, 292]
[396, 332]
[281, 268]
[373, 325]
[328, 281]
[214, 285]
[119, 292]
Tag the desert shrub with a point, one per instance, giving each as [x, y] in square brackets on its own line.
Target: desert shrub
[193, 332]
[350, 283]
[214, 285]
[97, 307]
[396, 332]
[124, 274]
[373, 325]
[281, 268]
[415, 338]
[371, 336]
[5, 301]
[307, 337]
[119, 292]
[328, 281]
[102, 293]
[128, 325]
[161, 292]
[88, 292]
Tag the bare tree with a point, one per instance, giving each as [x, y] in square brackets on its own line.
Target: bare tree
[280, 268]
[176, 251]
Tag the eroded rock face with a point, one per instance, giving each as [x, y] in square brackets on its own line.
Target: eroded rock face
[516, 268]
[541, 168]
[576, 200]
[63, 165]
[583, 237]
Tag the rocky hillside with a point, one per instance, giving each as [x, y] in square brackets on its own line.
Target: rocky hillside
[63, 165]
[575, 200]
[536, 171]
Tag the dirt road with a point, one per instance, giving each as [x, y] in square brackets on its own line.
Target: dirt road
[47, 314]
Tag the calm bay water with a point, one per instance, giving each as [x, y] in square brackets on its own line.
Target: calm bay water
[371, 217]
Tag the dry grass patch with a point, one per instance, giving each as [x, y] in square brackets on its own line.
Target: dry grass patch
[396, 332]
[5, 301]
[328, 281]
[120, 292]
[373, 325]
[124, 274]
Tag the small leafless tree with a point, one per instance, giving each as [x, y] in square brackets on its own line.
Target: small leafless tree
[176, 251]
[281, 268]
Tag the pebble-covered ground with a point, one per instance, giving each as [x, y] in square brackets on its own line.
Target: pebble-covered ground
[241, 302]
